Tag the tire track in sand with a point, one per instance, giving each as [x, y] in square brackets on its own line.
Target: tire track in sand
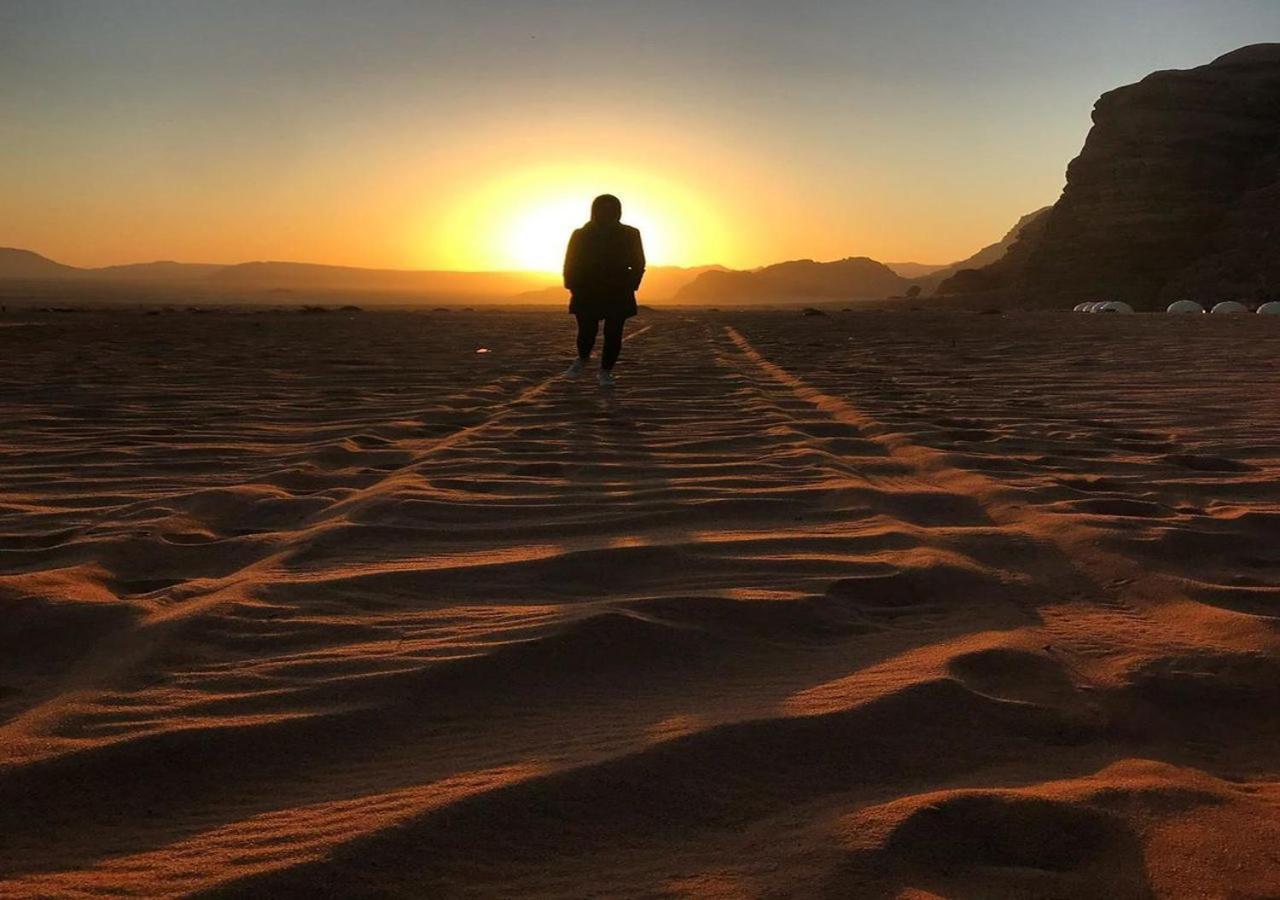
[119, 652]
[1120, 594]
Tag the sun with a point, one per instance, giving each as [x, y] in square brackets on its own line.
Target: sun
[536, 237]
[522, 220]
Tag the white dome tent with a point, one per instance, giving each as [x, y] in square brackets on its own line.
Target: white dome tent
[1270, 309]
[1116, 306]
[1229, 307]
[1185, 307]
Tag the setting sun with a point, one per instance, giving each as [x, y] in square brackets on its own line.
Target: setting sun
[536, 237]
[523, 221]
[535, 240]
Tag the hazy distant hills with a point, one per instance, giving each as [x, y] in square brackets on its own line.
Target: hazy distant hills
[915, 269]
[279, 276]
[156, 271]
[23, 264]
[1175, 194]
[272, 277]
[276, 280]
[16, 263]
[846, 279]
[855, 277]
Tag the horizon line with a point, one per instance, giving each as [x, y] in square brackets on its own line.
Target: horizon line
[529, 272]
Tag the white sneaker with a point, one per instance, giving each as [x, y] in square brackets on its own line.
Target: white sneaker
[574, 370]
[606, 378]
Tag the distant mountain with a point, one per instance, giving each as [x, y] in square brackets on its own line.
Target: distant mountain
[279, 278]
[917, 270]
[664, 282]
[274, 277]
[852, 278]
[845, 279]
[24, 264]
[1174, 194]
[156, 271]
[262, 276]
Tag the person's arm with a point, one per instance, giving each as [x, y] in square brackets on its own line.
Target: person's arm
[572, 262]
[637, 260]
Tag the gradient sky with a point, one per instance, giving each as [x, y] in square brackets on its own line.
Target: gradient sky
[467, 135]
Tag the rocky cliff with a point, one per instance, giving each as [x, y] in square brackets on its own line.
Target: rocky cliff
[988, 254]
[1176, 193]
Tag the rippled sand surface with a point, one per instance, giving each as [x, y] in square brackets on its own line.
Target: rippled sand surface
[870, 604]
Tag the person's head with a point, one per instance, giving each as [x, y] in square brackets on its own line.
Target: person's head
[606, 209]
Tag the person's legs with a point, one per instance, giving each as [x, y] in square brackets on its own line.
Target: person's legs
[612, 342]
[587, 330]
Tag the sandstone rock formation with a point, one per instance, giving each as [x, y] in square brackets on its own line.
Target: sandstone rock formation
[988, 254]
[1175, 194]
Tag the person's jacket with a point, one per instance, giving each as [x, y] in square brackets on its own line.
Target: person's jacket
[603, 268]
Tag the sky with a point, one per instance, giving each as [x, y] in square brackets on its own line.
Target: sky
[472, 135]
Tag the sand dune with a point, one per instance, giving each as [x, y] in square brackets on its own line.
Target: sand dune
[877, 604]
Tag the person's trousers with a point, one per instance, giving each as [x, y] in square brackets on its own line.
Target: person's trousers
[588, 327]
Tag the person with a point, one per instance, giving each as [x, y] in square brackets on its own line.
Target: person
[603, 267]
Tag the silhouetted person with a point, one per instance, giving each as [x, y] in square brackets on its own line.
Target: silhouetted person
[602, 270]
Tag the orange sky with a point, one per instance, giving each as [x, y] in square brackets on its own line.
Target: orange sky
[431, 136]
[501, 195]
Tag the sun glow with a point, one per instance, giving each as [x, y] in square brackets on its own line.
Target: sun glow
[523, 221]
[535, 239]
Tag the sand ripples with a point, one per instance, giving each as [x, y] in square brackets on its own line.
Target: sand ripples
[885, 602]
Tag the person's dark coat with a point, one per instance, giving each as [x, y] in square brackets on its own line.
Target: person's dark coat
[603, 268]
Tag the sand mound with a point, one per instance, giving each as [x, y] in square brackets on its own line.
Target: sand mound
[1104, 834]
[1014, 832]
[1014, 674]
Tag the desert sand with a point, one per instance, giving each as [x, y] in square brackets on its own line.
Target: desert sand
[876, 604]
